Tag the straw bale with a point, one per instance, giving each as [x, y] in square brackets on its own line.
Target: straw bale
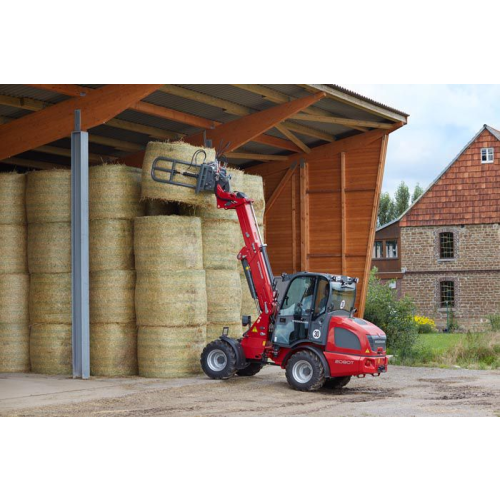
[115, 192]
[113, 350]
[214, 330]
[168, 243]
[13, 249]
[221, 243]
[248, 307]
[159, 207]
[171, 298]
[112, 297]
[50, 349]
[111, 245]
[253, 187]
[50, 298]
[179, 151]
[223, 296]
[48, 196]
[14, 292]
[14, 348]
[49, 247]
[12, 198]
[169, 352]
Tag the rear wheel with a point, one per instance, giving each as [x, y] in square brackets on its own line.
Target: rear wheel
[250, 370]
[337, 382]
[218, 360]
[305, 372]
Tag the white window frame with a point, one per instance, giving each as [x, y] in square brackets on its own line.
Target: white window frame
[489, 155]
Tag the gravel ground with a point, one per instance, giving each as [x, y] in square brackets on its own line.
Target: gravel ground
[402, 392]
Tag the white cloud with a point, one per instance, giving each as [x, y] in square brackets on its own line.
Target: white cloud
[443, 118]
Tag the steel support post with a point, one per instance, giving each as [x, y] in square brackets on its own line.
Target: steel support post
[80, 250]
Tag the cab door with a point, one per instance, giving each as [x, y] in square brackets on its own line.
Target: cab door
[294, 318]
[318, 331]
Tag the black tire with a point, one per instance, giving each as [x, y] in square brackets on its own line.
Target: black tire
[250, 370]
[305, 372]
[336, 382]
[218, 360]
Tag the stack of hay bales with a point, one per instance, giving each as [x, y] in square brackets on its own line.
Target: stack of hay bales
[253, 187]
[171, 297]
[48, 209]
[114, 202]
[220, 231]
[14, 277]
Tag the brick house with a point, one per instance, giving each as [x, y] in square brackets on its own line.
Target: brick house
[450, 238]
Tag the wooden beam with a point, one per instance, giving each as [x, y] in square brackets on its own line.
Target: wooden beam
[173, 115]
[115, 143]
[279, 188]
[156, 133]
[304, 217]
[40, 165]
[238, 132]
[343, 217]
[342, 121]
[250, 156]
[293, 138]
[71, 90]
[57, 121]
[276, 142]
[94, 158]
[294, 224]
[373, 222]
[22, 103]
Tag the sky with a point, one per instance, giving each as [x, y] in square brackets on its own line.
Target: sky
[443, 119]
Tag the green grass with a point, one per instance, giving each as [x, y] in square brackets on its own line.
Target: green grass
[439, 342]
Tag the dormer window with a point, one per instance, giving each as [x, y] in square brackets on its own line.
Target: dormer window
[487, 155]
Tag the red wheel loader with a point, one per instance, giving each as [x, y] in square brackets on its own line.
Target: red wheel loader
[310, 331]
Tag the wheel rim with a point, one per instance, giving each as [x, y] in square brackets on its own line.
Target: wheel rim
[302, 371]
[217, 360]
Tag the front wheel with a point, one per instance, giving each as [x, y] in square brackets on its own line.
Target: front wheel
[218, 360]
[305, 372]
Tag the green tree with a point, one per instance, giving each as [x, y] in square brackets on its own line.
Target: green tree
[417, 193]
[401, 199]
[385, 209]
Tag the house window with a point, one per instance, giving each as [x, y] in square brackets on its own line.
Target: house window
[447, 294]
[446, 246]
[377, 250]
[487, 155]
[391, 249]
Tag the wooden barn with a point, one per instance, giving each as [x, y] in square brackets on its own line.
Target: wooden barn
[320, 149]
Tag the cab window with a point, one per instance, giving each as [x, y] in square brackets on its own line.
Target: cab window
[299, 296]
[321, 297]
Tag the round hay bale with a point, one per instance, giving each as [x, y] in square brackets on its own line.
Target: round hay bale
[167, 352]
[214, 330]
[113, 350]
[167, 192]
[159, 207]
[13, 249]
[50, 349]
[12, 198]
[48, 196]
[221, 243]
[223, 296]
[14, 293]
[112, 297]
[50, 299]
[248, 307]
[14, 348]
[49, 247]
[111, 245]
[115, 192]
[171, 298]
[167, 243]
[253, 187]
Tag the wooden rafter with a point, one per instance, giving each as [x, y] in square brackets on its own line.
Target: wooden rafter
[65, 89]
[342, 121]
[236, 155]
[287, 133]
[243, 130]
[279, 189]
[57, 121]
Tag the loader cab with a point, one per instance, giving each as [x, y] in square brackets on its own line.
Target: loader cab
[308, 303]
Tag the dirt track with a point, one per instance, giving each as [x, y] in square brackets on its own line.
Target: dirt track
[402, 392]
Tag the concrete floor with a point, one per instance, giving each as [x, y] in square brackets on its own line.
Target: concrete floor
[403, 391]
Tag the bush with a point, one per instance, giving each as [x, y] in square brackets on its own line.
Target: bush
[476, 350]
[495, 322]
[394, 317]
[425, 325]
